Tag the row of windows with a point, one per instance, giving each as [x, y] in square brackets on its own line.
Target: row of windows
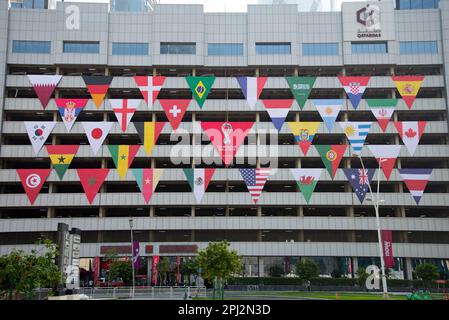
[320, 49]
[416, 4]
[374, 47]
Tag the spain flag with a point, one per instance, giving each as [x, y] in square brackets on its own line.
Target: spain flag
[123, 156]
[408, 87]
[61, 157]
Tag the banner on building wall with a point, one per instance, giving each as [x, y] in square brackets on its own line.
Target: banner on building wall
[136, 256]
[252, 88]
[255, 179]
[301, 88]
[44, 86]
[98, 87]
[356, 132]
[96, 270]
[154, 269]
[386, 156]
[38, 132]
[227, 137]
[200, 87]
[178, 272]
[199, 179]
[416, 181]
[69, 109]
[354, 87]
[32, 181]
[123, 156]
[331, 155]
[408, 87]
[410, 133]
[91, 180]
[96, 132]
[387, 247]
[150, 88]
[278, 110]
[124, 110]
[328, 110]
[61, 157]
[147, 180]
[382, 109]
[304, 132]
[360, 180]
[174, 110]
[307, 180]
[149, 133]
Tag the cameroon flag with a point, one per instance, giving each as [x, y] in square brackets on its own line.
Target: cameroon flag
[149, 133]
[61, 157]
[331, 156]
[408, 87]
[123, 156]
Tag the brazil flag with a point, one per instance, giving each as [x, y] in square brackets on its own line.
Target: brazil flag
[200, 87]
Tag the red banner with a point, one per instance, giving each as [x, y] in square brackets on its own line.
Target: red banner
[387, 248]
[178, 273]
[154, 269]
[96, 270]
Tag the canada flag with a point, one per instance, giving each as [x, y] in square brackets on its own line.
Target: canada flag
[410, 133]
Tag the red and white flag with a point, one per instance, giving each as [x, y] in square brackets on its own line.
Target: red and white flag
[38, 132]
[175, 110]
[387, 247]
[255, 180]
[91, 180]
[32, 181]
[124, 110]
[386, 155]
[416, 181]
[410, 133]
[96, 132]
[44, 86]
[149, 87]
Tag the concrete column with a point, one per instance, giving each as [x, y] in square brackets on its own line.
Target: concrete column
[259, 211]
[259, 235]
[257, 72]
[300, 235]
[300, 211]
[106, 71]
[408, 269]
[102, 213]
[261, 267]
[227, 211]
[295, 72]
[50, 212]
[192, 236]
[151, 211]
[194, 72]
[154, 72]
[153, 163]
[100, 237]
[297, 118]
[151, 235]
[355, 266]
[192, 211]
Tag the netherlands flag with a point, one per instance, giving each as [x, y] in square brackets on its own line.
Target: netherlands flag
[416, 181]
[252, 88]
[278, 110]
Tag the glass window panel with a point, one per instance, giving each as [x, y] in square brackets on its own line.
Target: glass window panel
[358, 48]
[19, 46]
[320, 49]
[225, 49]
[81, 47]
[178, 48]
[130, 49]
[418, 47]
[273, 48]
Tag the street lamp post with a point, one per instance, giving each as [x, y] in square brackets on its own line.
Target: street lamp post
[132, 250]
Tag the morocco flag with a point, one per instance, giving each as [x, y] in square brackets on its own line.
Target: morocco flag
[61, 157]
[91, 180]
[331, 156]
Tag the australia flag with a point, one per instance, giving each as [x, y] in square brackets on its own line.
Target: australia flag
[360, 180]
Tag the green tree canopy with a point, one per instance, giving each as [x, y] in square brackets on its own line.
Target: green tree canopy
[307, 269]
[427, 272]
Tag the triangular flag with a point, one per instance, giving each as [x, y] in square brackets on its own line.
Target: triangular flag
[331, 156]
[386, 156]
[147, 180]
[200, 87]
[416, 181]
[91, 180]
[307, 180]
[278, 110]
[150, 88]
[96, 132]
[356, 132]
[410, 133]
[69, 109]
[175, 110]
[199, 179]
[408, 87]
[328, 110]
[61, 157]
[360, 180]
[44, 86]
[123, 156]
[124, 110]
[382, 109]
[304, 132]
[354, 87]
[252, 88]
[38, 132]
[227, 137]
[301, 88]
[149, 133]
[98, 87]
[255, 180]
[32, 181]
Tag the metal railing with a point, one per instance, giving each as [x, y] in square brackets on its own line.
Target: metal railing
[176, 293]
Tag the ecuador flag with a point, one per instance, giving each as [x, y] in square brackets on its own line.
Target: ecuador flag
[123, 156]
[61, 157]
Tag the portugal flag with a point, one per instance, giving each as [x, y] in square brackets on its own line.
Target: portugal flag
[97, 86]
[61, 157]
[123, 156]
[331, 156]
[408, 87]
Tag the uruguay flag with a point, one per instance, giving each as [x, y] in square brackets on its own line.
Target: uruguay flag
[252, 88]
[278, 110]
[356, 132]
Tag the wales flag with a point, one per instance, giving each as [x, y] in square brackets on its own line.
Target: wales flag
[301, 88]
[200, 87]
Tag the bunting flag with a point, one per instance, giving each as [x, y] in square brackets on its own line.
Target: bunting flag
[61, 157]
[416, 181]
[123, 156]
[356, 132]
[98, 87]
[91, 180]
[278, 110]
[386, 156]
[227, 137]
[408, 87]
[38, 132]
[410, 133]
[175, 110]
[44, 86]
[32, 181]
[255, 180]
[304, 132]
[359, 180]
[200, 87]
[124, 110]
[301, 88]
[149, 133]
[252, 88]
[382, 109]
[69, 109]
[331, 155]
[150, 88]
[199, 179]
[354, 87]
[328, 110]
[307, 180]
[147, 180]
[96, 132]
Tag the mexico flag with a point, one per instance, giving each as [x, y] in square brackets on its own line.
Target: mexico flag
[61, 157]
[32, 181]
[408, 87]
[149, 133]
[199, 179]
[147, 180]
[410, 133]
[91, 180]
[123, 156]
[386, 156]
[416, 181]
[98, 87]
[44, 86]
[304, 132]
[331, 155]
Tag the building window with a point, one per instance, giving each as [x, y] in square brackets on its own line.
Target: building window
[373, 47]
[178, 48]
[129, 49]
[81, 47]
[225, 49]
[131, 5]
[320, 49]
[273, 48]
[416, 4]
[29, 4]
[19, 46]
[418, 47]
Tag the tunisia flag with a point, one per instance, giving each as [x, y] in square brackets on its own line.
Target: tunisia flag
[32, 181]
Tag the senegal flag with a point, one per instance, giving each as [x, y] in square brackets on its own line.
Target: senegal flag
[61, 157]
[331, 156]
[200, 87]
[408, 87]
[123, 156]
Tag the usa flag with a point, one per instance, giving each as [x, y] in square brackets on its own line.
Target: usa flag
[255, 180]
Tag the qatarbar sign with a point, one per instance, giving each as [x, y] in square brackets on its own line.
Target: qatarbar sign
[368, 17]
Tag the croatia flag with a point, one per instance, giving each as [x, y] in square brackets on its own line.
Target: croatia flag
[354, 87]
[278, 110]
[416, 181]
[251, 88]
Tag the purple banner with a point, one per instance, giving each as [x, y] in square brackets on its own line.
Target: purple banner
[136, 257]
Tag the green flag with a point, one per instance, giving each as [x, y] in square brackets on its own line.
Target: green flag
[301, 88]
[306, 180]
[200, 87]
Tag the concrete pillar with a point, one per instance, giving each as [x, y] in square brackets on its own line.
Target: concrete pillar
[194, 72]
[259, 235]
[355, 266]
[295, 72]
[102, 212]
[50, 212]
[300, 211]
[192, 211]
[154, 72]
[106, 71]
[227, 211]
[151, 235]
[259, 211]
[408, 268]
[151, 212]
[192, 236]
[261, 267]
[300, 235]
[257, 72]
[297, 118]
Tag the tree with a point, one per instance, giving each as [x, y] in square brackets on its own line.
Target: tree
[307, 269]
[119, 268]
[218, 263]
[336, 273]
[276, 270]
[427, 272]
[189, 267]
[162, 268]
[361, 276]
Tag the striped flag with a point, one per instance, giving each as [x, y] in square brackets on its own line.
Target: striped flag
[149, 133]
[98, 87]
[123, 156]
[147, 180]
[150, 88]
[69, 109]
[410, 133]
[124, 110]
[278, 110]
[304, 132]
[199, 179]
[382, 109]
[251, 88]
[61, 157]
[328, 110]
[408, 87]
[356, 132]
[255, 180]
[416, 181]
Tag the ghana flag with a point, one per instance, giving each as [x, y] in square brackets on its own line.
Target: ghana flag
[61, 157]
